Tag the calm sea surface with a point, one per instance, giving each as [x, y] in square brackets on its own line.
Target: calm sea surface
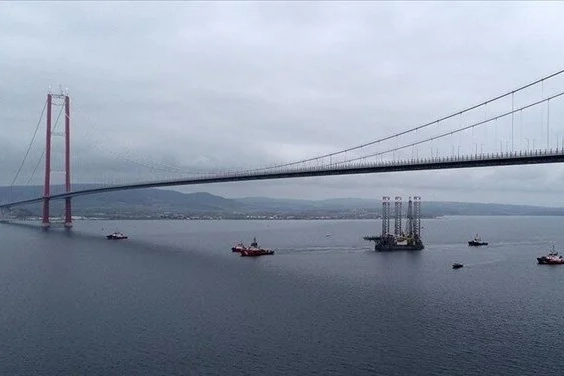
[174, 300]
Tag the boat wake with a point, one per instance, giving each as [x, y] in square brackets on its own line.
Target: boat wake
[321, 250]
[486, 262]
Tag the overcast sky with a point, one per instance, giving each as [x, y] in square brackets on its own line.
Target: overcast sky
[206, 86]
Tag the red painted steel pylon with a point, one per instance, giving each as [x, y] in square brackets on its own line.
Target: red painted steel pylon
[47, 186]
[68, 212]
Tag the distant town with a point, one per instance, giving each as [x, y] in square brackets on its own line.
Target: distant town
[139, 215]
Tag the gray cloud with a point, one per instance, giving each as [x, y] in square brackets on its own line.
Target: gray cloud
[231, 85]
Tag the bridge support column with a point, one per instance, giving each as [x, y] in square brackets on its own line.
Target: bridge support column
[46, 187]
[45, 222]
[68, 213]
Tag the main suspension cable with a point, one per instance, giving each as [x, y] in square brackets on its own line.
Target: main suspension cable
[512, 92]
[454, 131]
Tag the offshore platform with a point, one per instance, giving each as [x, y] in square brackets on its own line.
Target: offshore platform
[408, 239]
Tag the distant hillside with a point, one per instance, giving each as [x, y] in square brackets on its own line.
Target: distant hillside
[159, 203]
[466, 208]
[260, 203]
[429, 208]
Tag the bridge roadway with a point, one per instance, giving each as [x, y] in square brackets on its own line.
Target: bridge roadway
[437, 163]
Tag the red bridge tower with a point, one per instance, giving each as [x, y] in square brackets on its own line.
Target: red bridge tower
[62, 99]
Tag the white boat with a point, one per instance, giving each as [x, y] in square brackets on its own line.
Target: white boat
[116, 236]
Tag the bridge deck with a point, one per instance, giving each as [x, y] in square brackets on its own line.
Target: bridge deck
[487, 160]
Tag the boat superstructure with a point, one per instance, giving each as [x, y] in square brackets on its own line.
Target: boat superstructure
[402, 239]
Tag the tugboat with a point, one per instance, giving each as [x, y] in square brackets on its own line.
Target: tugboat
[457, 265]
[255, 250]
[551, 259]
[476, 242]
[116, 236]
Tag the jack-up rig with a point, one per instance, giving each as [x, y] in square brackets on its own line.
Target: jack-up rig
[401, 240]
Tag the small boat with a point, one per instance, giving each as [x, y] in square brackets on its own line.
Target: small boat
[476, 242]
[553, 258]
[116, 236]
[457, 265]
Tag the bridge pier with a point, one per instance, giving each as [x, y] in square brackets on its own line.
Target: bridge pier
[45, 220]
[68, 214]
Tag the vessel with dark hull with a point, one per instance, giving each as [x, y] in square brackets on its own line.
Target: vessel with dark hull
[551, 259]
[116, 236]
[476, 242]
[457, 265]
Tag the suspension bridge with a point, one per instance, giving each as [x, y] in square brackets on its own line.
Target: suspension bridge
[519, 127]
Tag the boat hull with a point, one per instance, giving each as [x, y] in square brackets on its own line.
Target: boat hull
[256, 252]
[474, 243]
[390, 244]
[392, 248]
[112, 237]
[548, 261]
